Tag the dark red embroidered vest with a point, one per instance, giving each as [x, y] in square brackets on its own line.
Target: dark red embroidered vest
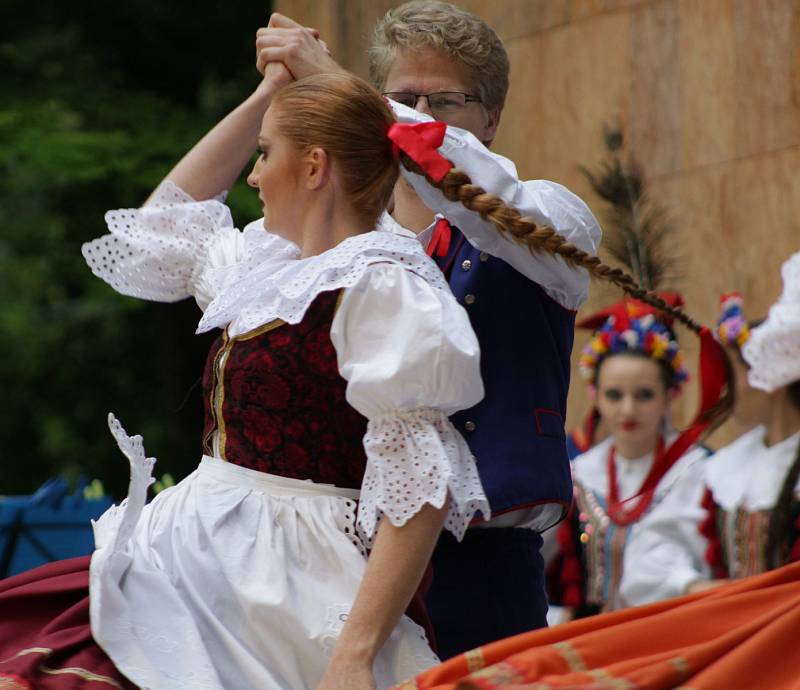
[277, 400]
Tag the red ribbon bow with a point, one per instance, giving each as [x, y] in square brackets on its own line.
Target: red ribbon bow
[420, 141]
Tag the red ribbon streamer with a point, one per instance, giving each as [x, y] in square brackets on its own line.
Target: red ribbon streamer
[440, 239]
[420, 141]
[712, 386]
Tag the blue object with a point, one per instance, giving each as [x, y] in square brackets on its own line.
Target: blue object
[516, 433]
[47, 526]
[485, 588]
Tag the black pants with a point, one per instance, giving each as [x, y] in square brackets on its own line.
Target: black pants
[489, 586]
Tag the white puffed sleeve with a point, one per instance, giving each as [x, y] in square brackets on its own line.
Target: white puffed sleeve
[548, 203]
[666, 551]
[175, 247]
[410, 359]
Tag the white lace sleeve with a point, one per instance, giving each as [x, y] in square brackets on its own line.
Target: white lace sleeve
[154, 252]
[175, 247]
[410, 359]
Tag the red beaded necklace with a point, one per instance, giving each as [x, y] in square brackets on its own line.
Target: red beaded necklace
[617, 510]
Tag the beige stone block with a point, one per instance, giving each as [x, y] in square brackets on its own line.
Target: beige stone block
[654, 128]
[761, 205]
[767, 35]
[564, 85]
[737, 222]
[707, 68]
[517, 18]
[581, 9]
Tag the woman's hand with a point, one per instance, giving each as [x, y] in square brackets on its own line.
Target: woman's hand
[298, 47]
[347, 675]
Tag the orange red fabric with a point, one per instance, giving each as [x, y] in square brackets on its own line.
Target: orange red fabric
[741, 635]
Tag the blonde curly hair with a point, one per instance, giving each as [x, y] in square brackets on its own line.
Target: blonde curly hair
[453, 30]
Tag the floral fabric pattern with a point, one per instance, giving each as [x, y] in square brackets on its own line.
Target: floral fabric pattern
[282, 402]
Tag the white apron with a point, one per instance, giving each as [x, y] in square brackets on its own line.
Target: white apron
[232, 579]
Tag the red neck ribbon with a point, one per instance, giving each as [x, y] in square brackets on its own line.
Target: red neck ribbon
[617, 509]
[440, 239]
[712, 386]
[420, 142]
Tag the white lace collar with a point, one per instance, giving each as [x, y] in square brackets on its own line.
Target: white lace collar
[388, 224]
[286, 290]
[747, 473]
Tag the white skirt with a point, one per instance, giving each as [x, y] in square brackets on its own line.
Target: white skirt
[232, 579]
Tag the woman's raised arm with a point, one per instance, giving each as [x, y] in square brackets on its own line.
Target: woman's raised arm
[216, 161]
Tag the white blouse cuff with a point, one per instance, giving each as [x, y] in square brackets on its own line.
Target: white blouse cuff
[416, 457]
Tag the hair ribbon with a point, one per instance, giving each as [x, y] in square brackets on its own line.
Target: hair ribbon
[420, 141]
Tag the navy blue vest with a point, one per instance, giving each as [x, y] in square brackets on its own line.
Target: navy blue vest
[516, 433]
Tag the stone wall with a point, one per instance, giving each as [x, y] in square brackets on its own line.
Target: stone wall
[708, 95]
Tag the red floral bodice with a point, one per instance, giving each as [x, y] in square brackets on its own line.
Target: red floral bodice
[277, 401]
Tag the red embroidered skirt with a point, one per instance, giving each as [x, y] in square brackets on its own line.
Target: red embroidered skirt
[741, 635]
[45, 639]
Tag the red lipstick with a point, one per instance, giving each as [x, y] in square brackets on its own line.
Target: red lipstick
[630, 425]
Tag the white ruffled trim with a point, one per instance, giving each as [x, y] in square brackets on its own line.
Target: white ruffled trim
[176, 247]
[773, 349]
[416, 457]
[267, 293]
[153, 252]
[114, 528]
[747, 474]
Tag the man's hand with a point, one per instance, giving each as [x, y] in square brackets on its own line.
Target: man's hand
[276, 76]
[297, 47]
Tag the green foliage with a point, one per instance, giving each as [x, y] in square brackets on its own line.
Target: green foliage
[97, 106]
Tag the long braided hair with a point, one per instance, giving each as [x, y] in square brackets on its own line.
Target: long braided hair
[457, 186]
[776, 550]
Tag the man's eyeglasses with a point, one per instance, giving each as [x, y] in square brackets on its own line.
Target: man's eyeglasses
[440, 103]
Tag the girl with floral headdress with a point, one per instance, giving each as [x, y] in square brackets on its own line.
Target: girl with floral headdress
[636, 484]
[753, 511]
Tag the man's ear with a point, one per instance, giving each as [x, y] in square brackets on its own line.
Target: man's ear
[318, 168]
[492, 124]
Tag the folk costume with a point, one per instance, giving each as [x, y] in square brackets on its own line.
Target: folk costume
[522, 308]
[632, 537]
[745, 478]
[327, 397]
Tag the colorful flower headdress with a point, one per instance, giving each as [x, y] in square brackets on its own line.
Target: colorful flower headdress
[644, 334]
[732, 329]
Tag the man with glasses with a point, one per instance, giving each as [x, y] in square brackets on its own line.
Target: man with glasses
[437, 60]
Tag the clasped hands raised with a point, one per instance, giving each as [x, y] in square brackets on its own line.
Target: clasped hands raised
[286, 50]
